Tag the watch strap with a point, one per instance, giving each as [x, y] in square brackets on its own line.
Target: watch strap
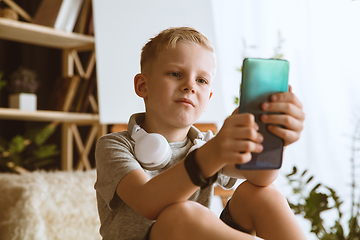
[194, 172]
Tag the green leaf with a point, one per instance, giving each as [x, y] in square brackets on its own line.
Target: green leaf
[40, 135]
[44, 134]
[46, 151]
[236, 101]
[309, 180]
[338, 230]
[293, 172]
[315, 204]
[316, 187]
[17, 144]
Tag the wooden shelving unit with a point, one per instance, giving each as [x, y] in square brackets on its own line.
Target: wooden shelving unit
[70, 44]
[43, 36]
[49, 116]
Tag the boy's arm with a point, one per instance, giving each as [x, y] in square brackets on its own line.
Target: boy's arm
[292, 121]
[232, 145]
[150, 197]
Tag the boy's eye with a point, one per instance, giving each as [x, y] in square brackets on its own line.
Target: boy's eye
[201, 80]
[175, 74]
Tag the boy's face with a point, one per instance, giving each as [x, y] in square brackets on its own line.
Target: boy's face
[178, 85]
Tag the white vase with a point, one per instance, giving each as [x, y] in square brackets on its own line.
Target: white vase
[23, 101]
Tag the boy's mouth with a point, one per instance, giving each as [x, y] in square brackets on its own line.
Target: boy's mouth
[185, 101]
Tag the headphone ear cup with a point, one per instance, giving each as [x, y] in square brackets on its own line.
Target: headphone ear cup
[153, 151]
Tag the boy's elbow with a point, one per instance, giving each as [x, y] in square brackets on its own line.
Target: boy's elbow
[261, 182]
[150, 215]
[148, 212]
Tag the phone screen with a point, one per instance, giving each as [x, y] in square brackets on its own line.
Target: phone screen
[260, 79]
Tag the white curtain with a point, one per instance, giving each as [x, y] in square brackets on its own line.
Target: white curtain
[322, 44]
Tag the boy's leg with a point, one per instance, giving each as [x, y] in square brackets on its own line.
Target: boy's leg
[190, 220]
[264, 210]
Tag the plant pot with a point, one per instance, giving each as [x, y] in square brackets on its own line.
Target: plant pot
[23, 101]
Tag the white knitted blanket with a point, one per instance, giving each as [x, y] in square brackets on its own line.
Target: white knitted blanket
[48, 206]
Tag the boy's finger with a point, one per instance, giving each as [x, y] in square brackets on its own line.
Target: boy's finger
[286, 97]
[247, 133]
[242, 119]
[284, 107]
[287, 121]
[243, 146]
[289, 136]
[239, 158]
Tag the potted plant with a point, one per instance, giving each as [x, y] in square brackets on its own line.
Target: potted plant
[22, 86]
[28, 152]
[312, 201]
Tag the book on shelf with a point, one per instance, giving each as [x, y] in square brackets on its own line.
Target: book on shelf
[78, 94]
[84, 17]
[78, 101]
[81, 100]
[63, 14]
[73, 15]
[63, 94]
[67, 15]
[90, 26]
[90, 90]
[47, 12]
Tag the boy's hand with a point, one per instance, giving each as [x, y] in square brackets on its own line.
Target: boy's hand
[233, 144]
[292, 118]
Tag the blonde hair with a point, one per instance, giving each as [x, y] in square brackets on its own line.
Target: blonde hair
[169, 38]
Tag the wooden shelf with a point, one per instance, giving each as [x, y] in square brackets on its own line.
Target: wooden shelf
[43, 36]
[48, 116]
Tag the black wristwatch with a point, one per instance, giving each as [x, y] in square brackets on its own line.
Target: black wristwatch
[194, 172]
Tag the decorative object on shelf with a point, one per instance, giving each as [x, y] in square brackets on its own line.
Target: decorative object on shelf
[9, 14]
[23, 84]
[13, 5]
[28, 152]
[23, 101]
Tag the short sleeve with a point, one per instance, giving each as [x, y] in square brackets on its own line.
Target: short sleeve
[225, 181]
[115, 158]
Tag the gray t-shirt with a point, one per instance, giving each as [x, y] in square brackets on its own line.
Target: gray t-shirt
[114, 159]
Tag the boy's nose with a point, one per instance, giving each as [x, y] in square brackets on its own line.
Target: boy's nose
[189, 89]
[189, 86]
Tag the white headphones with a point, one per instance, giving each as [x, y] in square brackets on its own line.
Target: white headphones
[152, 150]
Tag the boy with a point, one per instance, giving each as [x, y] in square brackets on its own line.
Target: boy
[170, 201]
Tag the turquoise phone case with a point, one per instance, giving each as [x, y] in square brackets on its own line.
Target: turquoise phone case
[260, 79]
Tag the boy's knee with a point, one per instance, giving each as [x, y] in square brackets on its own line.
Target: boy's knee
[256, 196]
[250, 202]
[177, 217]
[186, 212]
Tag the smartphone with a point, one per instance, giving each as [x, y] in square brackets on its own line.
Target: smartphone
[260, 79]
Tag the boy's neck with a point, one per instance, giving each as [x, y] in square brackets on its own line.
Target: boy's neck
[172, 134]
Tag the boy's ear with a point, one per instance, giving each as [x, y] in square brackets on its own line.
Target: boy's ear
[211, 93]
[140, 85]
